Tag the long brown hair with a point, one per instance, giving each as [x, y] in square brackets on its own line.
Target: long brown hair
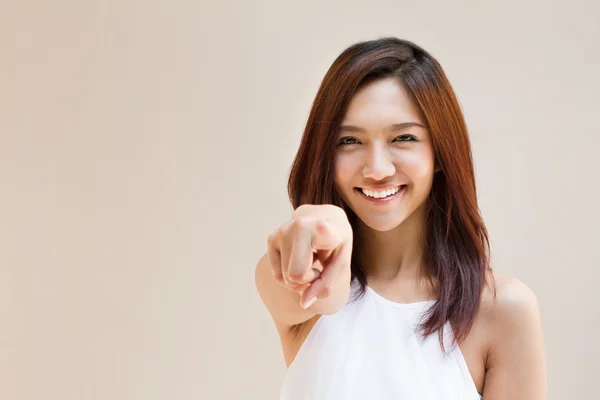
[457, 246]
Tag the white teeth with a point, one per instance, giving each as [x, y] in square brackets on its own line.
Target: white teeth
[380, 194]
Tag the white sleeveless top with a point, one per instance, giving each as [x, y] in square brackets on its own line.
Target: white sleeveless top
[371, 350]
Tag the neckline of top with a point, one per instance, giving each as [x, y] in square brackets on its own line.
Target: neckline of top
[413, 305]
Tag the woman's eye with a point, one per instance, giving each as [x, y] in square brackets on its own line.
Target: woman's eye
[406, 138]
[350, 140]
[347, 140]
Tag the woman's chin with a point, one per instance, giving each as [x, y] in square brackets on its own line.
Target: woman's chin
[381, 223]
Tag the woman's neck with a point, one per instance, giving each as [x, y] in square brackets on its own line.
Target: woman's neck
[394, 254]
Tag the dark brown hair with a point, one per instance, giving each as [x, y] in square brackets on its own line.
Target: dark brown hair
[457, 246]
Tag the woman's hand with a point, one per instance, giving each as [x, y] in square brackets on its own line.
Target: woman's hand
[310, 252]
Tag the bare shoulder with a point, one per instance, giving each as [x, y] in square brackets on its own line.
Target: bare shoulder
[507, 299]
[515, 362]
[511, 315]
[508, 308]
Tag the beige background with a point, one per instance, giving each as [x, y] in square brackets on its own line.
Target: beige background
[144, 150]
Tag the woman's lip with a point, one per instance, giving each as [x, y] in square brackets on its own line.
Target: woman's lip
[384, 200]
[380, 189]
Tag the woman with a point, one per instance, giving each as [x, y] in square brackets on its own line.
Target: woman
[380, 285]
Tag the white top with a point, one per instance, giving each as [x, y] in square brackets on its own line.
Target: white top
[371, 350]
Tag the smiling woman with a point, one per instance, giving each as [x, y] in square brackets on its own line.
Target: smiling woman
[381, 285]
[384, 155]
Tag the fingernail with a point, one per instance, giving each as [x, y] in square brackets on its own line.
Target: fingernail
[309, 302]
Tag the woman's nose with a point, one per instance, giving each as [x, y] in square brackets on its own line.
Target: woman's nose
[378, 165]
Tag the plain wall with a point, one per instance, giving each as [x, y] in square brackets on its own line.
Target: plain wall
[144, 151]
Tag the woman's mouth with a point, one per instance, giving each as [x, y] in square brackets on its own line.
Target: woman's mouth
[381, 196]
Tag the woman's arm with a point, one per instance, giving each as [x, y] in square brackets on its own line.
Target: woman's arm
[284, 304]
[516, 364]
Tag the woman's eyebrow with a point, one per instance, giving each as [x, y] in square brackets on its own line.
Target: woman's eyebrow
[393, 128]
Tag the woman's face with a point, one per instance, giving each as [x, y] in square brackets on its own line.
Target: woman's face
[383, 143]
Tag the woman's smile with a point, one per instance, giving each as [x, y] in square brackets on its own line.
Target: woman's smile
[381, 197]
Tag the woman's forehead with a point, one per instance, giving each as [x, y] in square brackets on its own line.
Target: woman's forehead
[382, 103]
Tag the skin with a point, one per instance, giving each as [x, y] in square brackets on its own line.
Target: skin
[504, 350]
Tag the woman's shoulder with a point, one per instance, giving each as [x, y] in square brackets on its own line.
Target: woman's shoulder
[514, 340]
[508, 307]
[505, 294]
